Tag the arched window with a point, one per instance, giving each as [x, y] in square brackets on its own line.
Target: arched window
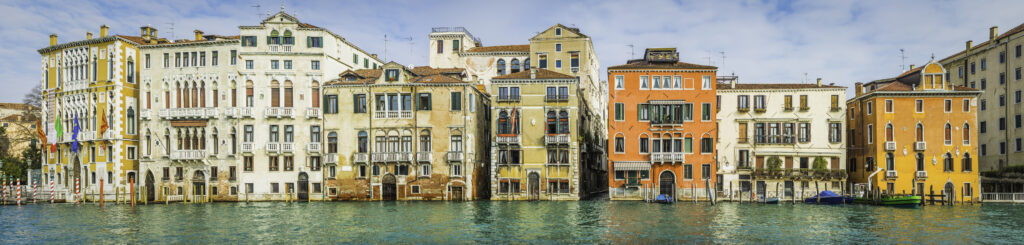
[288, 39]
[167, 142]
[888, 132]
[947, 162]
[234, 141]
[274, 38]
[966, 162]
[131, 120]
[515, 65]
[149, 142]
[920, 133]
[316, 94]
[920, 161]
[947, 132]
[287, 93]
[332, 142]
[183, 94]
[195, 95]
[501, 67]
[202, 94]
[216, 146]
[526, 64]
[503, 123]
[363, 140]
[275, 94]
[552, 124]
[890, 162]
[967, 133]
[563, 122]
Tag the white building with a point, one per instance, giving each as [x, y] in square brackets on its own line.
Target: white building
[793, 125]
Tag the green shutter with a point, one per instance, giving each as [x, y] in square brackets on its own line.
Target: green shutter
[688, 145]
[309, 42]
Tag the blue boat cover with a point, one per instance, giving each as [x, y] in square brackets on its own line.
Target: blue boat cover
[824, 194]
[663, 198]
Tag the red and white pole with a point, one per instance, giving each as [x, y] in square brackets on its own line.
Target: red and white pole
[35, 188]
[19, 191]
[78, 191]
[51, 191]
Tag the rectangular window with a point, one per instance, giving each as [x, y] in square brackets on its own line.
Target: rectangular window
[705, 112]
[759, 102]
[147, 66]
[620, 84]
[835, 132]
[247, 164]
[620, 114]
[358, 103]
[688, 171]
[213, 58]
[248, 41]
[234, 57]
[620, 145]
[1017, 121]
[542, 60]
[705, 82]
[705, 171]
[315, 65]
[456, 101]
[804, 103]
[248, 65]
[643, 82]
[869, 108]
[423, 103]
[707, 146]
[643, 112]
[947, 106]
[275, 64]
[287, 64]
[919, 106]
[742, 103]
[315, 42]
[1017, 74]
[888, 106]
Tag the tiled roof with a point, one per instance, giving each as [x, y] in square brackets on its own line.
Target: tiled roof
[501, 48]
[898, 86]
[363, 76]
[774, 86]
[643, 64]
[541, 74]
[437, 78]
[426, 70]
[15, 106]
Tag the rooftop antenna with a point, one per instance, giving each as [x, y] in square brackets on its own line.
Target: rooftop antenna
[805, 77]
[258, 12]
[385, 47]
[172, 30]
[632, 52]
[723, 57]
[709, 57]
[903, 60]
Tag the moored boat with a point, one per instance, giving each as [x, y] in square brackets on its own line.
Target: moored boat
[770, 200]
[901, 201]
[828, 197]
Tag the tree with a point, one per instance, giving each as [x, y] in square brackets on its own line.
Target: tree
[774, 164]
[819, 164]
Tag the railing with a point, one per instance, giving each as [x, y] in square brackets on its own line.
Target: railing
[205, 112]
[379, 157]
[667, 157]
[86, 136]
[331, 158]
[558, 97]
[890, 174]
[241, 112]
[574, 69]
[145, 114]
[920, 145]
[921, 174]
[507, 139]
[188, 154]
[1003, 197]
[774, 139]
[175, 198]
[313, 147]
[556, 139]
[280, 112]
[402, 156]
[359, 157]
[273, 147]
[280, 48]
[248, 147]
[424, 156]
[313, 112]
[508, 98]
[455, 156]
[890, 145]
[288, 147]
[392, 114]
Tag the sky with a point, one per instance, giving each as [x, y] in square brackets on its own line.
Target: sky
[842, 42]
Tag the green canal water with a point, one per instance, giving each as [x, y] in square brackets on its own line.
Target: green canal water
[590, 222]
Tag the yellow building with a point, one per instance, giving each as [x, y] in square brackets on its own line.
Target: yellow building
[914, 133]
[92, 80]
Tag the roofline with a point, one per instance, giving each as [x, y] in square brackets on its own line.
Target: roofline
[109, 38]
[175, 44]
[914, 92]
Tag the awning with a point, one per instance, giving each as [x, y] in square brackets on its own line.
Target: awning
[627, 166]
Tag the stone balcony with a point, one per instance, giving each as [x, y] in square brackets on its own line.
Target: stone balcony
[280, 112]
[248, 147]
[392, 114]
[239, 112]
[189, 113]
[508, 139]
[668, 157]
[424, 157]
[556, 139]
[314, 147]
[145, 114]
[273, 147]
[455, 156]
[331, 158]
[287, 147]
[360, 157]
[314, 112]
[182, 155]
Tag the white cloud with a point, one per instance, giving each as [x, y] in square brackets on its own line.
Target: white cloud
[763, 41]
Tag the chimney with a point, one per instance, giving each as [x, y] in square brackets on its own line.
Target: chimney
[732, 84]
[199, 35]
[858, 89]
[819, 82]
[53, 39]
[992, 33]
[533, 73]
[88, 35]
[970, 44]
[911, 66]
[103, 30]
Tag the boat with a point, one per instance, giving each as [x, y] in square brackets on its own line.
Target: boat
[828, 197]
[664, 198]
[770, 200]
[901, 201]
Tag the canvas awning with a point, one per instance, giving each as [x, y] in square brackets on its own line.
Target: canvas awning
[631, 166]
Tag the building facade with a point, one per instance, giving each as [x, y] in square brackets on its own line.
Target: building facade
[398, 133]
[914, 133]
[781, 140]
[86, 84]
[19, 123]
[662, 133]
[994, 67]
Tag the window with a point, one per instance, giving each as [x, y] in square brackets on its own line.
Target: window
[234, 57]
[248, 65]
[1018, 147]
[543, 63]
[888, 106]
[706, 82]
[574, 60]
[643, 112]
[455, 45]
[314, 42]
[314, 65]
[706, 145]
[1017, 121]
[742, 102]
[643, 82]
[805, 133]
[423, 101]
[644, 144]
[1002, 123]
[871, 134]
[982, 127]
[501, 67]
[705, 112]
[1017, 74]
[1017, 49]
[275, 64]
[890, 161]
[948, 106]
[425, 170]
[1002, 78]
[620, 114]
[984, 64]
[94, 67]
[440, 49]
[835, 133]
[869, 108]
[358, 104]
[131, 120]
[1002, 57]
[759, 102]
[620, 144]
[247, 164]
[456, 101]
[1002, 148]
[558, 63]
[947, 162]
[688, 171]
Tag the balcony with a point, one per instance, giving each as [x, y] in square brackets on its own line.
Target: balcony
[774, 139]
[574, 69]
[189, 113]
[287, 147]
[358, 157]
[145, 114]
[392, 114]
[379, 157]
[273, 147]
[280, 112]
[667, 157]
[188, 154]
[314, 112]
[313, 147]
[920, 145]
[834, 109]
[742, 109]
[400, 157]
[556, 98]
[921, 174]
[890, 174]
[455, 156]
[424, 157]
[558, 139]
[508, 98]
[248, 147]
[86, 136]
[243, 112]
[332, 158]
[506, 139]
[890, 145]
[280, 48]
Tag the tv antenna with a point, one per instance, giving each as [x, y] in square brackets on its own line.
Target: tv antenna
[632, 53]
[723, 57]
[172, 30]
[903, 60]
[258, 13]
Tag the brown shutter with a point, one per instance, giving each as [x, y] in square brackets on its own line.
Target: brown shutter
[234, 97]
[215, 98]
[287, 97]
[316, 97]
[760, 162]
[179, 97]
[167, 99]
[789, 162]
[275, 100]
[149, 98]
[835, 163]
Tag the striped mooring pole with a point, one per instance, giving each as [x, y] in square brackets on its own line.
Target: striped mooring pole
[51, 191]
[35, 188]
[19, 191]
[78, 191]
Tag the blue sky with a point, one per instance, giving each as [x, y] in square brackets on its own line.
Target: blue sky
[763, 41]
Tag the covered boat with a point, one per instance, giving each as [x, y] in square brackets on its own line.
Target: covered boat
[664, 198]
[901, 201]
[828, 197]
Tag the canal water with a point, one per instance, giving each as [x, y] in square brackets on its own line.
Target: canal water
[590, 222]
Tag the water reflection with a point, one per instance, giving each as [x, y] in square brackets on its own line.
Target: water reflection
[598, 222]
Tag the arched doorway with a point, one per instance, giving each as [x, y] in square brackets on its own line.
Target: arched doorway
[199, 183]
[667, 183]
[303, 193]
[948, 193]
[388, 190]
[533, 186]
[150, 187]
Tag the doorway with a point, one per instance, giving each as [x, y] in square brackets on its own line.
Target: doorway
[150, 187]
[948, 193]
[199, 183]
[456, 193]
[388, 189]
[533, 186]
[303, 193]
[667, 184]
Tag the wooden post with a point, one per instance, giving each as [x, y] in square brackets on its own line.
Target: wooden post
[818, 193]
[101, 192]
[132, 197]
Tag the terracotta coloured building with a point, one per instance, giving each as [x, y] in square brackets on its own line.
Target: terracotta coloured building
[662, 127]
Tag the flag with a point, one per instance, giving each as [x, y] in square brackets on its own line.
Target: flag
[74, 136]
[103, 128]
[39, 131]
[59, 128]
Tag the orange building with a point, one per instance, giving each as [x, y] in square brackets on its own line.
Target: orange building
[662, 127]
[915, 133]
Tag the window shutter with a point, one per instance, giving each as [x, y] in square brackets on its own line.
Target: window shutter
[355, 103]
[268, 39]
[309, 41]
